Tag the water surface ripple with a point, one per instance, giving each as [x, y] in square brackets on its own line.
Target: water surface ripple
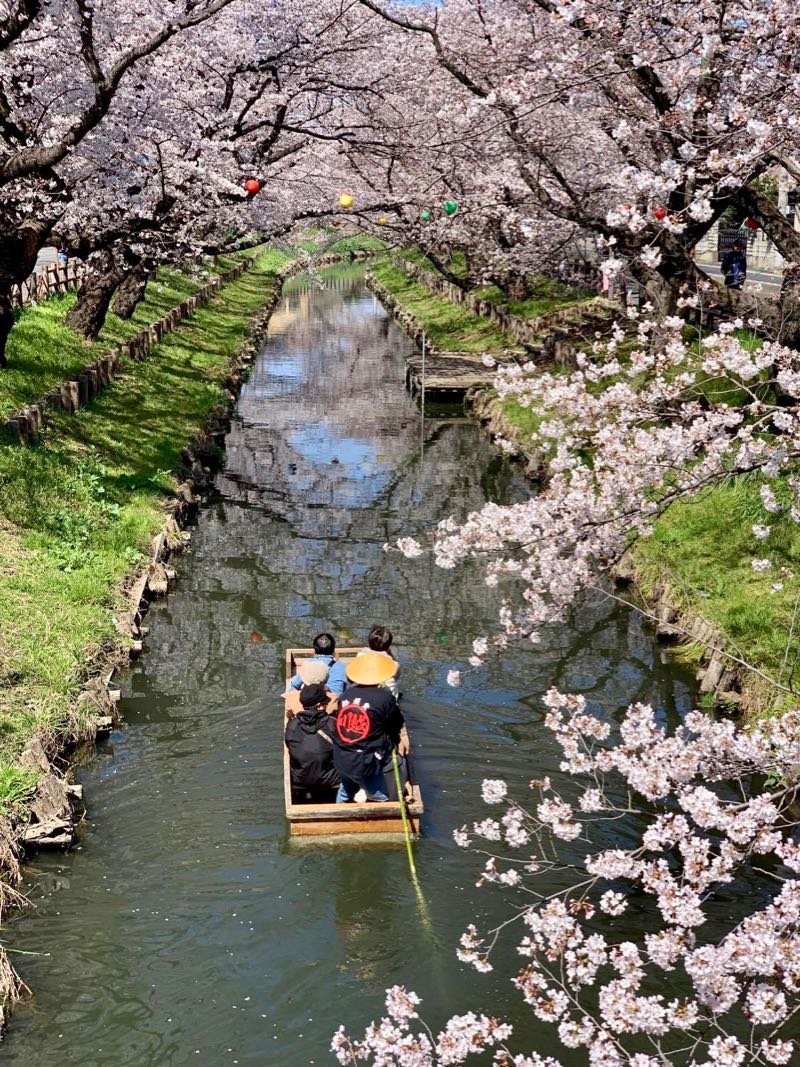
[187, 929]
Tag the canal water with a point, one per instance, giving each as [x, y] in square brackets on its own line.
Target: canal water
[187, 928]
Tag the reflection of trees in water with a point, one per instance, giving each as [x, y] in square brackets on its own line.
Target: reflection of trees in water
[295, 542]
[324, 418]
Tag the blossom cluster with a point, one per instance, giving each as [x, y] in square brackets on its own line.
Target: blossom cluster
[687, 986]
[622, 437]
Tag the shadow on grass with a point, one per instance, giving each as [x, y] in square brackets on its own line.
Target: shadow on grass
[79, 508]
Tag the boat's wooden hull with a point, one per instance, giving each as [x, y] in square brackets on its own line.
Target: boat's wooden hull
[334, 820]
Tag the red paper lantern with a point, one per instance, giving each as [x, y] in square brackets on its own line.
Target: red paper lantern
[751, 224]
[252, 186]
[660, 213]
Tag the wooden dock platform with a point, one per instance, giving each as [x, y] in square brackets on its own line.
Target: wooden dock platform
[455, 372]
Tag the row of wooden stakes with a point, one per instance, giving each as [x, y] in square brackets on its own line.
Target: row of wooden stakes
[25, 425]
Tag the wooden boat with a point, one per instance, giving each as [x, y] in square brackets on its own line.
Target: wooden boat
[316, 820]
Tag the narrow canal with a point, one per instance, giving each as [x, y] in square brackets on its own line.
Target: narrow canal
[187, 929]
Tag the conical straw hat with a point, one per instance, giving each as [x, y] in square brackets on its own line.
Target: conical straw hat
[371, 668]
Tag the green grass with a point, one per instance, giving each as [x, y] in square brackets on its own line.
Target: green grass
[16, 787]
[43, 350]
[525, 420]
[545, 295]
[327, 241]
[703, 549]
[448, 326]
[78, 510]
[363, 242]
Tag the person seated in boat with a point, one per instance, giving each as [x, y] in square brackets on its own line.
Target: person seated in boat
[380, 641]
[309, 739]
[324, 646]
[311, 671]
[367, 728]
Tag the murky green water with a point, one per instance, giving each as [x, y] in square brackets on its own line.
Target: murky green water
[186, 928]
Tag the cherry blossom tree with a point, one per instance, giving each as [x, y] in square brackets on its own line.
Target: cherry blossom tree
[153, 136]
[637, 124]
[694, 985]
[61, 68]
[623, 436]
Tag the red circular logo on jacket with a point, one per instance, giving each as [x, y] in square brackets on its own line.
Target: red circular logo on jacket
[353, 723]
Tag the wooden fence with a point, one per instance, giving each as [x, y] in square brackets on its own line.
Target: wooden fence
[51, 280]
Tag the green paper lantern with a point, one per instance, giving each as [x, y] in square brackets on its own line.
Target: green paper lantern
[450, 207]
[425, 215]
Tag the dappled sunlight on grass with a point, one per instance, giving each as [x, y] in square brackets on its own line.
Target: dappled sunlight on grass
[79, 509]
[43, 351]
[448, 326]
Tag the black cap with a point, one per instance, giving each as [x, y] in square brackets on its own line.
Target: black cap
[311, 696]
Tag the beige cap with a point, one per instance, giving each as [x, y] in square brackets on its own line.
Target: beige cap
[312, 672]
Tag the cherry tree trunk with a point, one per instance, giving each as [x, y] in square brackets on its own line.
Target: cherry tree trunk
[131, 291]
[6, 323]
[94, 299]
[19, 247]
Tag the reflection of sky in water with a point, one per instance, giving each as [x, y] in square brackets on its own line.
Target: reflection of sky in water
[282, 372]
[360, 476]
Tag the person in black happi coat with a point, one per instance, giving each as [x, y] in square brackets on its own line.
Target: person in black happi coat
[368, 727]
[309, 738]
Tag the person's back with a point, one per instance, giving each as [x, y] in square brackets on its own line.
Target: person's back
[309, 739]
[324, 647]
[368, 727]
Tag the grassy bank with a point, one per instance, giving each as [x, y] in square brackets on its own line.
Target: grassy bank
[450, 328]
[43, 351]
[544, 295]
[702, 551]
[77, 512]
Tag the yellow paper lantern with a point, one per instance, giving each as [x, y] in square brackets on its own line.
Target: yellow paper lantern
[346, 200]
[383, 221]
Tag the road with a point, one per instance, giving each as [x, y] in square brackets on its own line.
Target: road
[44, 259]
[769, 280]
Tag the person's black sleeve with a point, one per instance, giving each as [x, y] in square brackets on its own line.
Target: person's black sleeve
[395, 721]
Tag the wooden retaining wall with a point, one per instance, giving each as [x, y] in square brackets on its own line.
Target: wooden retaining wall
[546, 335]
